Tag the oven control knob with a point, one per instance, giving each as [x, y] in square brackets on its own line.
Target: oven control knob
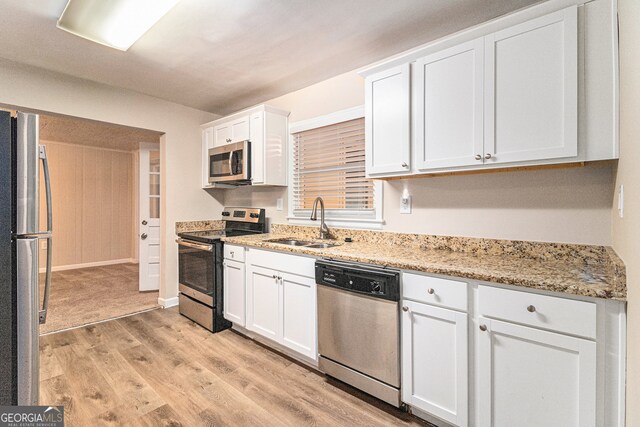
[375, 286]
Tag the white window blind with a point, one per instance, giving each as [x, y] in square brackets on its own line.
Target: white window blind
[329, 162]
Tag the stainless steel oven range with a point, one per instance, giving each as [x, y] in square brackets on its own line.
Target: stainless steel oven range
[200, 256]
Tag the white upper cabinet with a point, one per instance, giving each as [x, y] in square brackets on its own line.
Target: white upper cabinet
[531, 88]
[531, 92]
[448, 119]
[266, 129]
[387, 133]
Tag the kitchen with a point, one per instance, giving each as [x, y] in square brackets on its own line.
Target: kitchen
[575, 205]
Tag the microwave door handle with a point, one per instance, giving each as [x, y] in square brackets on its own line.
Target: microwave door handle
[47, 287]
[231, 163]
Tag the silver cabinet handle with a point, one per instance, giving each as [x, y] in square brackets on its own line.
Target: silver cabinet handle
[483, 328]
[231, 253]
[274, 276]
[404, 165]
[405, 308]
[430, 291]
[144, 222]
[478, 157]
[531, 309]
[487, 156]
[143, 236]
[228, 139]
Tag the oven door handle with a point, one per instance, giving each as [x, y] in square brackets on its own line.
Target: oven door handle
[202, 247]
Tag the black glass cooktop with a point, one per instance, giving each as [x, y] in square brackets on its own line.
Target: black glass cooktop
[211, 236]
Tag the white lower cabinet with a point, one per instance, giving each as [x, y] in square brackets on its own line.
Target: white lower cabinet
[234, 291]
[434, 361]
[263, 305]
[299, 313]
[281, 304]
[531, 377]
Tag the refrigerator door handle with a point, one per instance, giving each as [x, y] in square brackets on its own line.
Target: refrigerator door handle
[42, 315]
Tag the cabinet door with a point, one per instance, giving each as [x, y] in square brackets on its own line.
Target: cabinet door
[257, 147]
[299, 314]
[222, 135]
[531, 101]
[449, 118]
[207, 143]
[234, 292]
[263, 302]
[532, 377]
[434, 361]
[387, 136]
[240, 129]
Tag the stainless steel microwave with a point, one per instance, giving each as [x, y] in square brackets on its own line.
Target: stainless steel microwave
[231, 163]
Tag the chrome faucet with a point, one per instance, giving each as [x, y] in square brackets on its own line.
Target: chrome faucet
[324, 230]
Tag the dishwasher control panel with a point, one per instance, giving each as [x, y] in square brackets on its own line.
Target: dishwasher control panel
[373, 281]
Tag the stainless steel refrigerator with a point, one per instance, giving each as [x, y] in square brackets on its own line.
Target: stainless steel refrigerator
[22, 308]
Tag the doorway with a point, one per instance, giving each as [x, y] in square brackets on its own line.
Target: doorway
[97, 182]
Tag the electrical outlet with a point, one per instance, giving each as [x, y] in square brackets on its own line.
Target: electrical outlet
[621, 201]
[405, 204]
[279, 204]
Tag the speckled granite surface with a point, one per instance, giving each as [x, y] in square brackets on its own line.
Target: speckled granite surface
[214, 224]
[593, 271]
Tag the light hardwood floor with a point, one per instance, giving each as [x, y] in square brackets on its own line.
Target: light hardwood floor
[159, 369]
[88, 295]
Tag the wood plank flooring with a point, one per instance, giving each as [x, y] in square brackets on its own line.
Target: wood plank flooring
[159, 369]
[75, 294]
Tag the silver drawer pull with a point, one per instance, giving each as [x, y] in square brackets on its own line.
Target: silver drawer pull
[478, 157]
[483, 328]
[430, 291]
[405, 308]
[531, 309]
[231, 253]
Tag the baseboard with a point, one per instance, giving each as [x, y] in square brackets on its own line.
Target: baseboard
[168, 302]
[91, 264]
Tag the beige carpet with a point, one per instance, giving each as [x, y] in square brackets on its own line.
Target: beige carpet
[89, 295]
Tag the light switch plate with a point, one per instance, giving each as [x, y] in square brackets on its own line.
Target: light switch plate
[405, 204]
[279, 204]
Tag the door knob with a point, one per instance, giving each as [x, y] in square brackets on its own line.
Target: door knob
[487, 156]
[483, 328]
[478, 157]
[405, 308]
[143, 236]
[430, 291]
[144, 222]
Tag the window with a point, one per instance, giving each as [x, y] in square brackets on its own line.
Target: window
[328, 161]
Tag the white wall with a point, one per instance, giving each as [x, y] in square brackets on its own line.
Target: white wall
[36, 89]
[626, 231]
[566, 205]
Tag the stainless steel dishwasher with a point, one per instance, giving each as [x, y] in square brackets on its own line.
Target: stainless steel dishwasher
[359, 326]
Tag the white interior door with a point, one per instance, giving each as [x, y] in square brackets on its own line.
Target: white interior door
[149, 212]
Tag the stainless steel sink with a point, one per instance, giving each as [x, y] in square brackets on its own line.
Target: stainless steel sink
[321, 245]
[302, 243]
[290, 242]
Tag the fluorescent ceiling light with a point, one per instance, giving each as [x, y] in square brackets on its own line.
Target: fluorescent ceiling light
[114, 23]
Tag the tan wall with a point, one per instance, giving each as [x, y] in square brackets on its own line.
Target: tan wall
[568, 205]
[36, 89]
[94, 204]
[626, 231]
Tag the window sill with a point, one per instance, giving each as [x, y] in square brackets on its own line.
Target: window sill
[358, 223]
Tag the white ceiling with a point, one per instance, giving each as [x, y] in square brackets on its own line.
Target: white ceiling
[91, 133]
[224, 55]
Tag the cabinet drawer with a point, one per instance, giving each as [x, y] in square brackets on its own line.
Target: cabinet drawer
[235, 253]
[435, 291]
[553, 313]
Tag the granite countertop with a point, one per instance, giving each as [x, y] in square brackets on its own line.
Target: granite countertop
[592, 271]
